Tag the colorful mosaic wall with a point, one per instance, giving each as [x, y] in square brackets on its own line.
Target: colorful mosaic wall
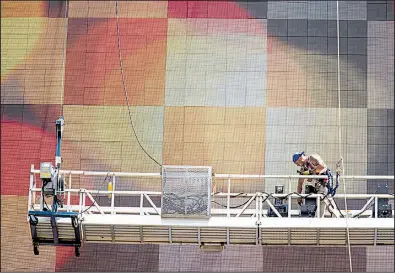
[237, 85]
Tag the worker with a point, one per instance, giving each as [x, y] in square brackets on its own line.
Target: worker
[314, 165]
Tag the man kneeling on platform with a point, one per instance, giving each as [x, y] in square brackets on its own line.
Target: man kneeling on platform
[314, 165]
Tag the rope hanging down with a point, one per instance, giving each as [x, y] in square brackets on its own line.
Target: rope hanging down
[340, 166]
[124, 87]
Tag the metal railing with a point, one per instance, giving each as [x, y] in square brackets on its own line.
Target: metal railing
[245, 210]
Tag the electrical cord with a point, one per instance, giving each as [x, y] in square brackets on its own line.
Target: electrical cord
[233, 207]
[268, 195]
[124, 87]
[358, 214]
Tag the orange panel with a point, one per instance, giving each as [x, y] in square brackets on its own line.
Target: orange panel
[172, 153]
[24, 9]
[78, 9]
[193, 132]
[174, 133]
[174, 115]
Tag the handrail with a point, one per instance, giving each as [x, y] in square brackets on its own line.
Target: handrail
[245, 176]
[223, 194]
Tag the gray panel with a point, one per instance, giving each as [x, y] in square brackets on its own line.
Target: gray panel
[277, 27]
[317, 10]
[320, 259]
[373, 185]
[357, 82]
[380, 259]
[390, 117]
[276, 116]
[287, 10]
[348, 10]
[376, 169]
[390, 10]
[297, 9]
[377, 117]
[377, 153]
[169, 258]
[236, 85]
[210, 261]
[297, 27]
[317, 28]
[95, 257]
[390, 153]
[190, 258]
[390, 135]
[377, 12]
[317, 45]
[380, 29]
[299, 42]
[391, 171]
[242, 258]
[277, 10]
[332, 28]
[357, 99]
[12, 112]
[356, 10]
[258, 9]
[357, 28]
[377, 135]
[358, 62]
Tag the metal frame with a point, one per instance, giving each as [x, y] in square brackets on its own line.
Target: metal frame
[226, 226]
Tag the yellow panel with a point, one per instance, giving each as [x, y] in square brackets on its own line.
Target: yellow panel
[235, 152]
[235, 115]
[214, 151]
[157, 9]
[176, 26]
[235, 133]
[254, 167]
[255, 133]
[214, 133]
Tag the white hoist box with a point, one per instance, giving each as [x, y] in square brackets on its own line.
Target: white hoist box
[186, 191]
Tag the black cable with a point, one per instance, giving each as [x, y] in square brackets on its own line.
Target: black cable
[124, 87]
[233, 207]
[358, 214]
[268, 195]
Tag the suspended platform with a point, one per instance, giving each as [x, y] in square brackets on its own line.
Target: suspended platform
[258, 221]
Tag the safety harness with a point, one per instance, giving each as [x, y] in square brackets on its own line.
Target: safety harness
[332, 187]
